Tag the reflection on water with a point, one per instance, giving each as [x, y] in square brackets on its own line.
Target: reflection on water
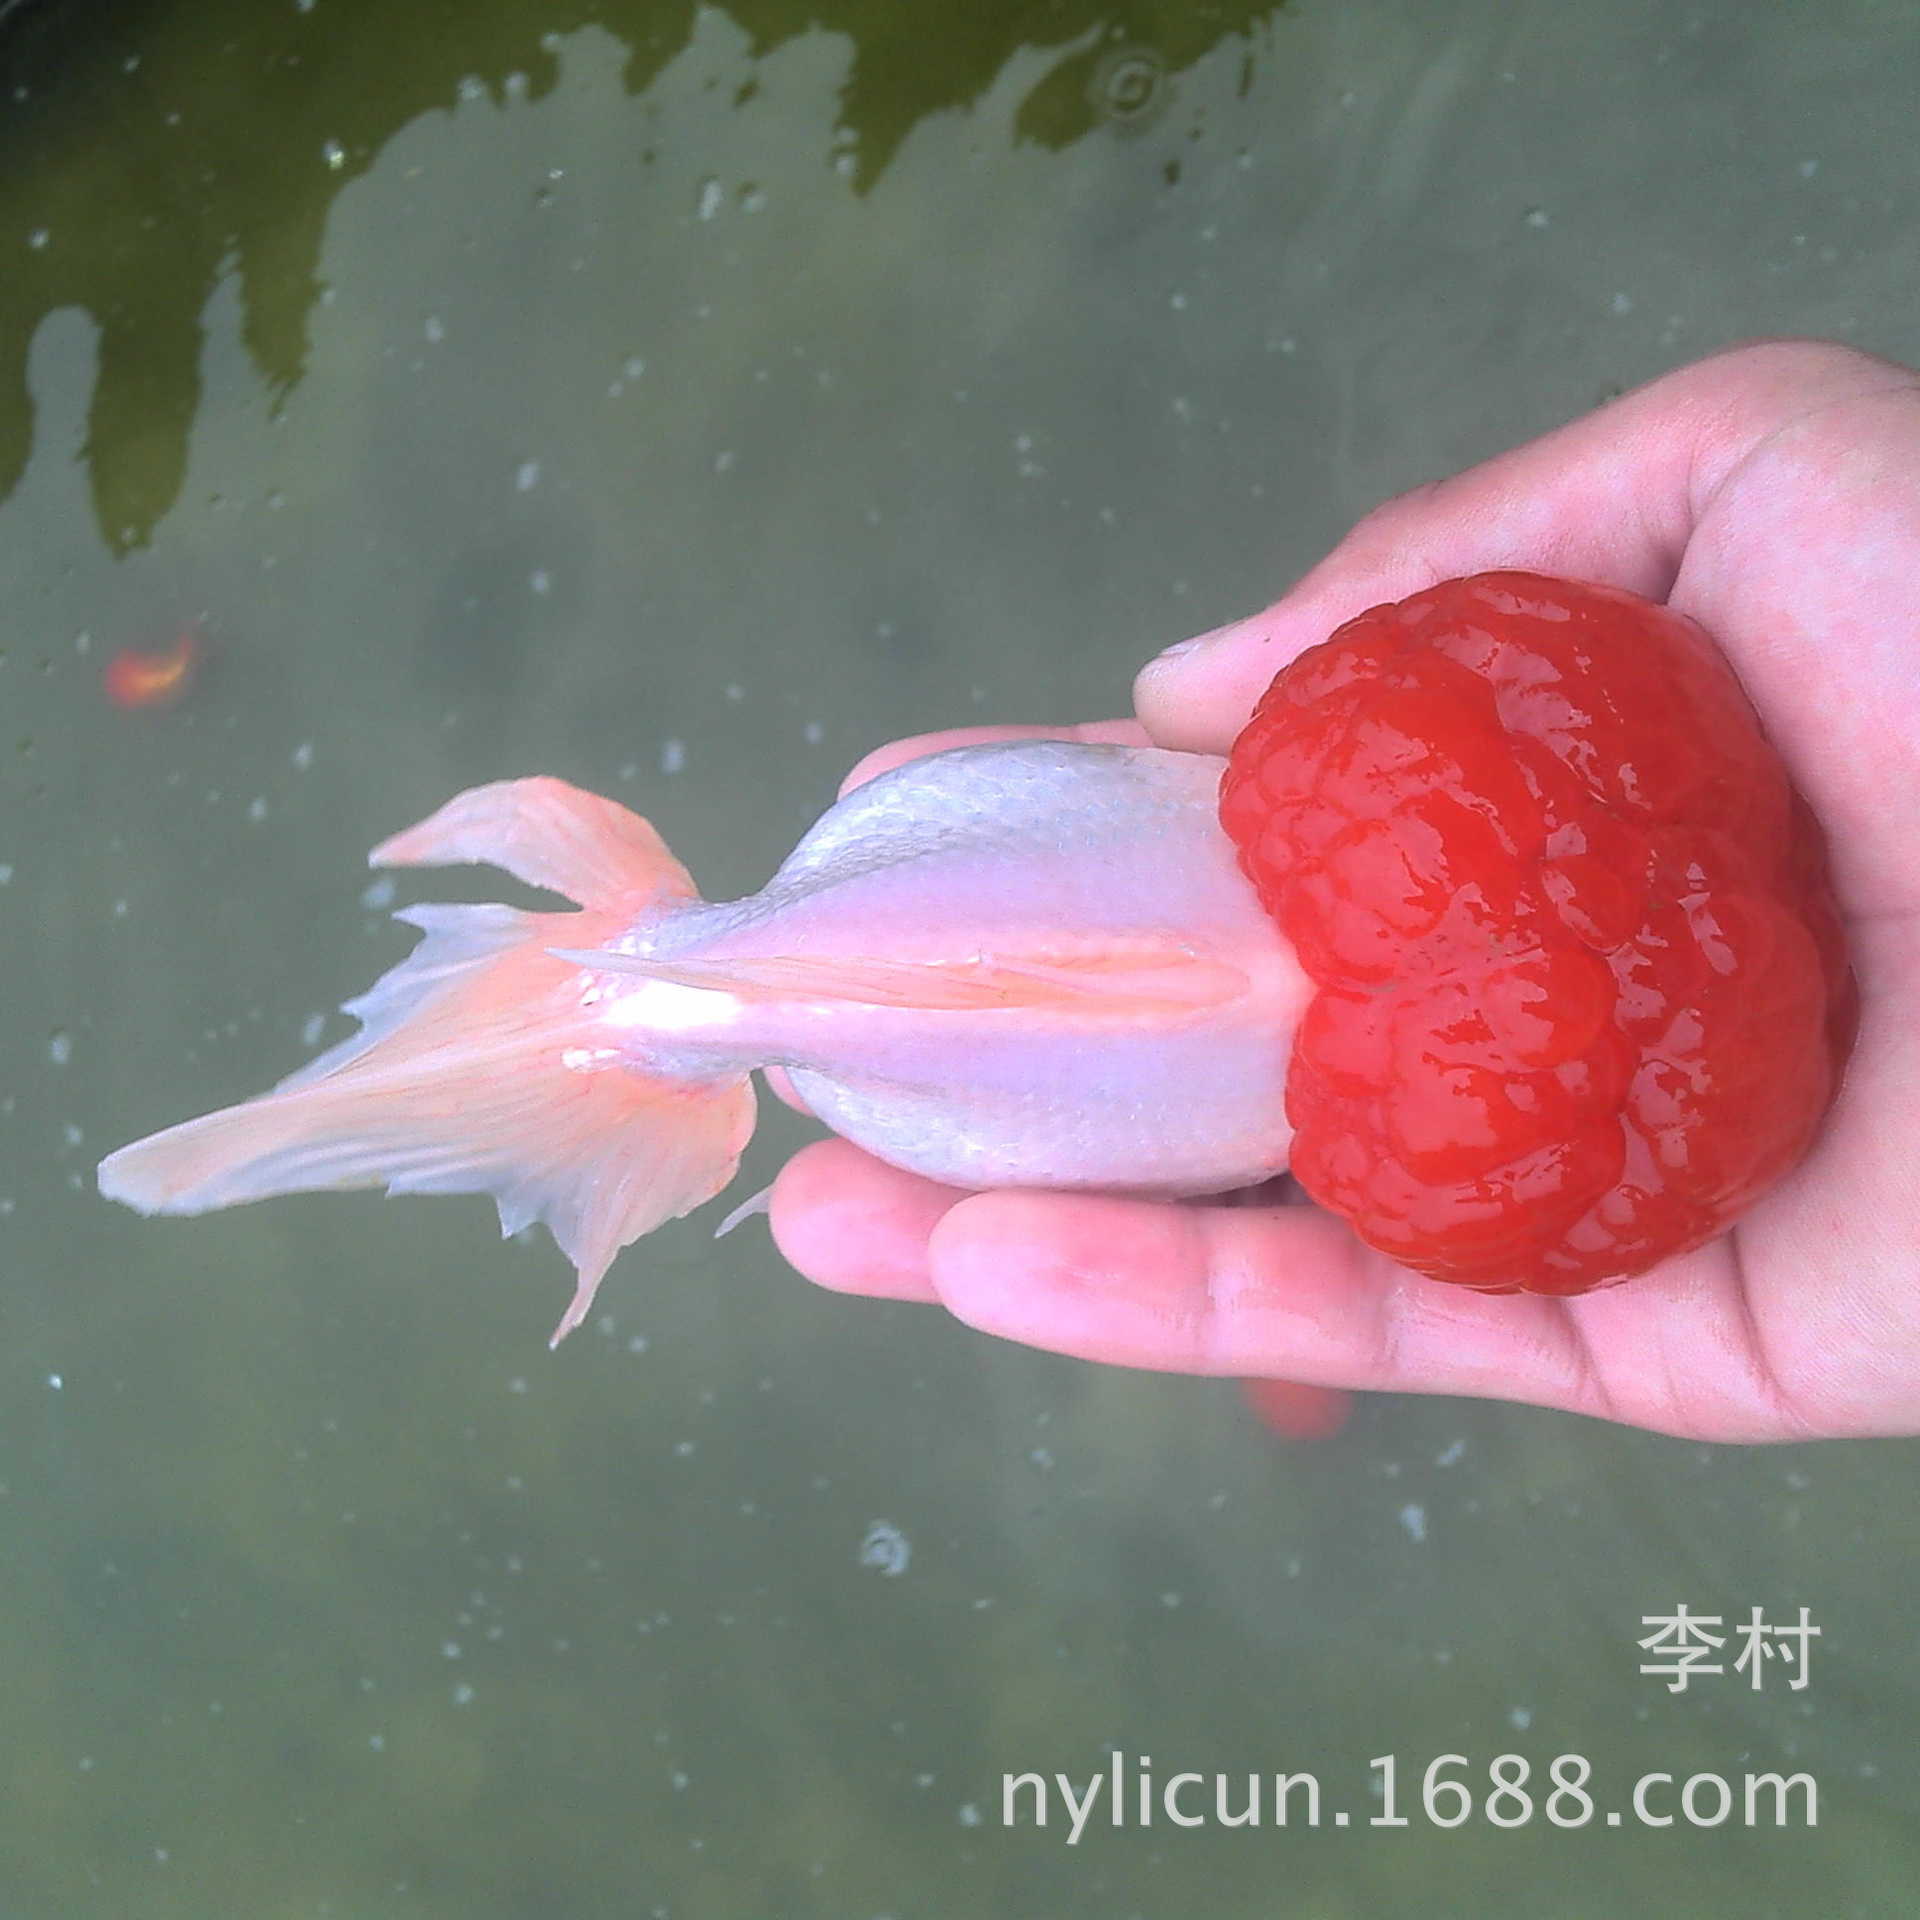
[192, 186]
[682, 400]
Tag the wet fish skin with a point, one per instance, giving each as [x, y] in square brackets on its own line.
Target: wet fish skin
[1031, 964]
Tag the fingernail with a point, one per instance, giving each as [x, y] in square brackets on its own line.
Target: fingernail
[1181, 648]
[1168, 669]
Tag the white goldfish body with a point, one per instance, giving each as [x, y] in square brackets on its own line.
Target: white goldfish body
[1034, 964]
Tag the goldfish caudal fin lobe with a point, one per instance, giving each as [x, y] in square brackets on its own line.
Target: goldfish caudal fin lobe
[481, 1065]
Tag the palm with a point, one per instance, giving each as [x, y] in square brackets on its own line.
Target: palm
[1773, 493]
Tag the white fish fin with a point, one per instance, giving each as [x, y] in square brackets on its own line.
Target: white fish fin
[1118, 981]
[481, 1067]
[749, 1208]
[549, 834]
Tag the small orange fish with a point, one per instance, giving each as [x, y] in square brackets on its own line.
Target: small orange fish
[152, 677]
[1297, 1410]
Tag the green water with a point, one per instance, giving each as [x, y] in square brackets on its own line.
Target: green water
[684, 401]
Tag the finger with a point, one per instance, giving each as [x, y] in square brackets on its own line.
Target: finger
[780, 1085]
[1611, 497]
[849, 1223]
[1229, 1291]
[1122, 733]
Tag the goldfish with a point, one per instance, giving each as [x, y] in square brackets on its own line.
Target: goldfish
[1031, 964]
[152, 677]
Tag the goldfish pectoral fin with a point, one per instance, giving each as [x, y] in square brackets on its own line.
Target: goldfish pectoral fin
[549, 834]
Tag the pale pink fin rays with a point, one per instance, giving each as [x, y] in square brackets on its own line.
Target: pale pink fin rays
[478, 1067]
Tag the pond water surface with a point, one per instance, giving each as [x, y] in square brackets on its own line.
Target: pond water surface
[684, 400]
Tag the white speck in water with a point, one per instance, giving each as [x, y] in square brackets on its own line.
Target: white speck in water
[734, 691]
[886, 1549]
[56, 1381]
[38, 238]
[969, 1815]
[540, 580]
[60, 1049]
[6, 873]
[72, 1134]
[334, 154]
[378, 893]
[632, 367]
[303, 6]
[377, 1741]
[311, 1028]
[1538, 217]
[1450, 1453]
[119, 909]
[257, 808]
[638, 1343]
[1177, 301]
[1808, 168]
[526, 476]
[463, 1695]
[1170, 1600]
[844, 165]
[813, 733]
[1414, 1519]
[723, 462]
[1622, 303]
[1520, 1718]
[303, 756]
[434, 328]
[752, 200]
[629, 769]
[673, 755]
[518, 1384]
[471, 87]
[713, 196]
[1041, 1457]
[450, 1649]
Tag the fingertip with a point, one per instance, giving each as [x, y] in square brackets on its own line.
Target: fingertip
[780, 1085]
[897, 753]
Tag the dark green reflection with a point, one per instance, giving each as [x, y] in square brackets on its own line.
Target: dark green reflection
[216, 134]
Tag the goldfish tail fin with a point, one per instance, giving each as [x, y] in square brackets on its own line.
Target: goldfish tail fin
[481, 1065]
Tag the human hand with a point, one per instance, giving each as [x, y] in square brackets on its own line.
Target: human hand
[1773, 493]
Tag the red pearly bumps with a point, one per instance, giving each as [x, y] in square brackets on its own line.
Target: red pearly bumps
[1582, 990]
